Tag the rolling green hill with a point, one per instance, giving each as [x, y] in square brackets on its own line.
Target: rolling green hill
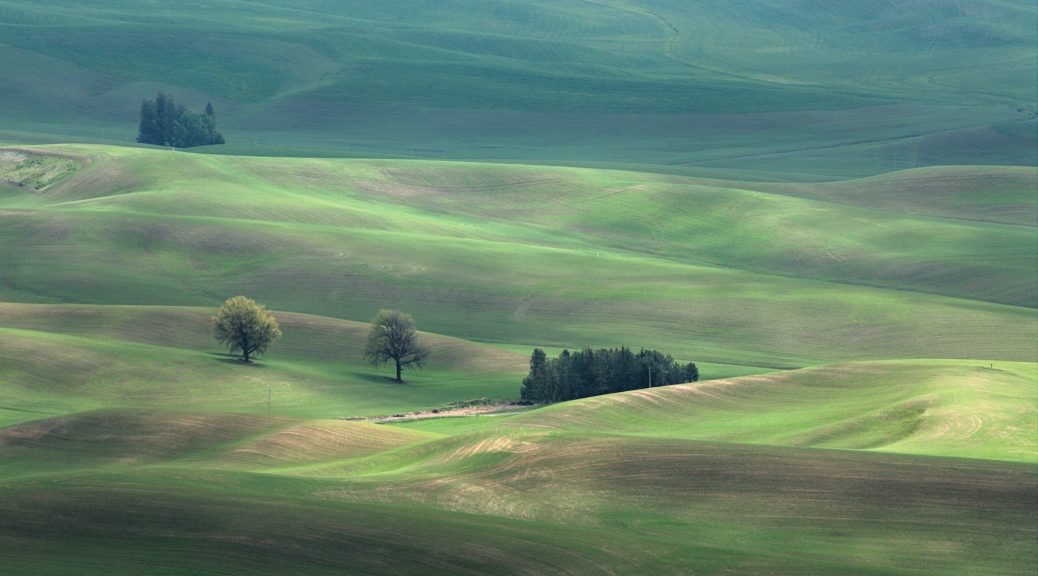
[128, 440]
[57, 360]
[942, 408]
[830, 207]
[807, 89]
[549, 490]
[718, 272]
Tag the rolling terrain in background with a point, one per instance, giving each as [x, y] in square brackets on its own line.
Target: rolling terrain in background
[830, 207]
[798, 88]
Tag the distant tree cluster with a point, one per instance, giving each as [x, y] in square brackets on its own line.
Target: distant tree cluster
[166, 123]
[592, 372]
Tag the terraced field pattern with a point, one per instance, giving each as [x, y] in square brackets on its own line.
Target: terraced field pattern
[832, 208]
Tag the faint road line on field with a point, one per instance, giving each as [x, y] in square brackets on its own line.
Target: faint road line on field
[498, 186]
[670, 43]
[893, 139]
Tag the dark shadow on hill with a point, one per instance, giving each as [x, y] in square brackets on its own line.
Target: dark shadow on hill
[234, 359]
[378, 379]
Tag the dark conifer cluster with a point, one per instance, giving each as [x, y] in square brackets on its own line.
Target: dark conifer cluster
[166, 123]
[592, 372]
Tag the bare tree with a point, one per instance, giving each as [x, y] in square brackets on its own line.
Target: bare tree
[393, 337]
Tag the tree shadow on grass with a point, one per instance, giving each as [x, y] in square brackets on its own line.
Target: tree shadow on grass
[235, 359]
[379, 379]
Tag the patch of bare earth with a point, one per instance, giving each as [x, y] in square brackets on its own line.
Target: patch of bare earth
[448, 412]
[34, 171]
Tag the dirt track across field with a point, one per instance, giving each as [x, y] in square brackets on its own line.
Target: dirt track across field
[448, 412]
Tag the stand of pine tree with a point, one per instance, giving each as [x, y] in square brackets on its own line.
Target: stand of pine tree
[166, 123]
[592, 372]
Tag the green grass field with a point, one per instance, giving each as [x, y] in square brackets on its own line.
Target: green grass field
[548, 490]
[807, 90]
[535, 255]
[128, 436]
[832, 208]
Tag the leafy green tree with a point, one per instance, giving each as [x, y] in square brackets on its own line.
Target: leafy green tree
[393, 337]
[245, 326]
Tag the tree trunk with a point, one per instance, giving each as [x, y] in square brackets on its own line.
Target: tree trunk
[398, 379]
[245, 355]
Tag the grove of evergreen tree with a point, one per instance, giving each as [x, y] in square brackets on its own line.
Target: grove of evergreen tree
[590, 372]
[166, 123]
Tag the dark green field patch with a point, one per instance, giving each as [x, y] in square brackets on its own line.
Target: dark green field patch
[782, 88]
[570, 503]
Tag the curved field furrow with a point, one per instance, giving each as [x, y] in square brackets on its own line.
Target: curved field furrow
[651, 486]
[313, 441]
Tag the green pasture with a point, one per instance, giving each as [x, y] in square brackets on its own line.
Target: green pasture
[92, 358]
[808, 92]
[830, 207]
[619, 481]
[128, 442]
[63, 359]
[960, 408]
[705, 270]
[177, 521]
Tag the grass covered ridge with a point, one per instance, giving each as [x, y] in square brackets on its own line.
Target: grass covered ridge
[726, 272]
[950, 408]
[58, 360]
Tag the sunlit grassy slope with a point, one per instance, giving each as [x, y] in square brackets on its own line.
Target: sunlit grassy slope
[961, 408]
[707, 270]
[807, 89]
[829, 206]
[56, 360]
[624, 481]
[62, 360]
[129, 442]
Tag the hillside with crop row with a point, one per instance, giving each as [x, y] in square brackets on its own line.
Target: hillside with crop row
[804, 89]
[830, 208]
